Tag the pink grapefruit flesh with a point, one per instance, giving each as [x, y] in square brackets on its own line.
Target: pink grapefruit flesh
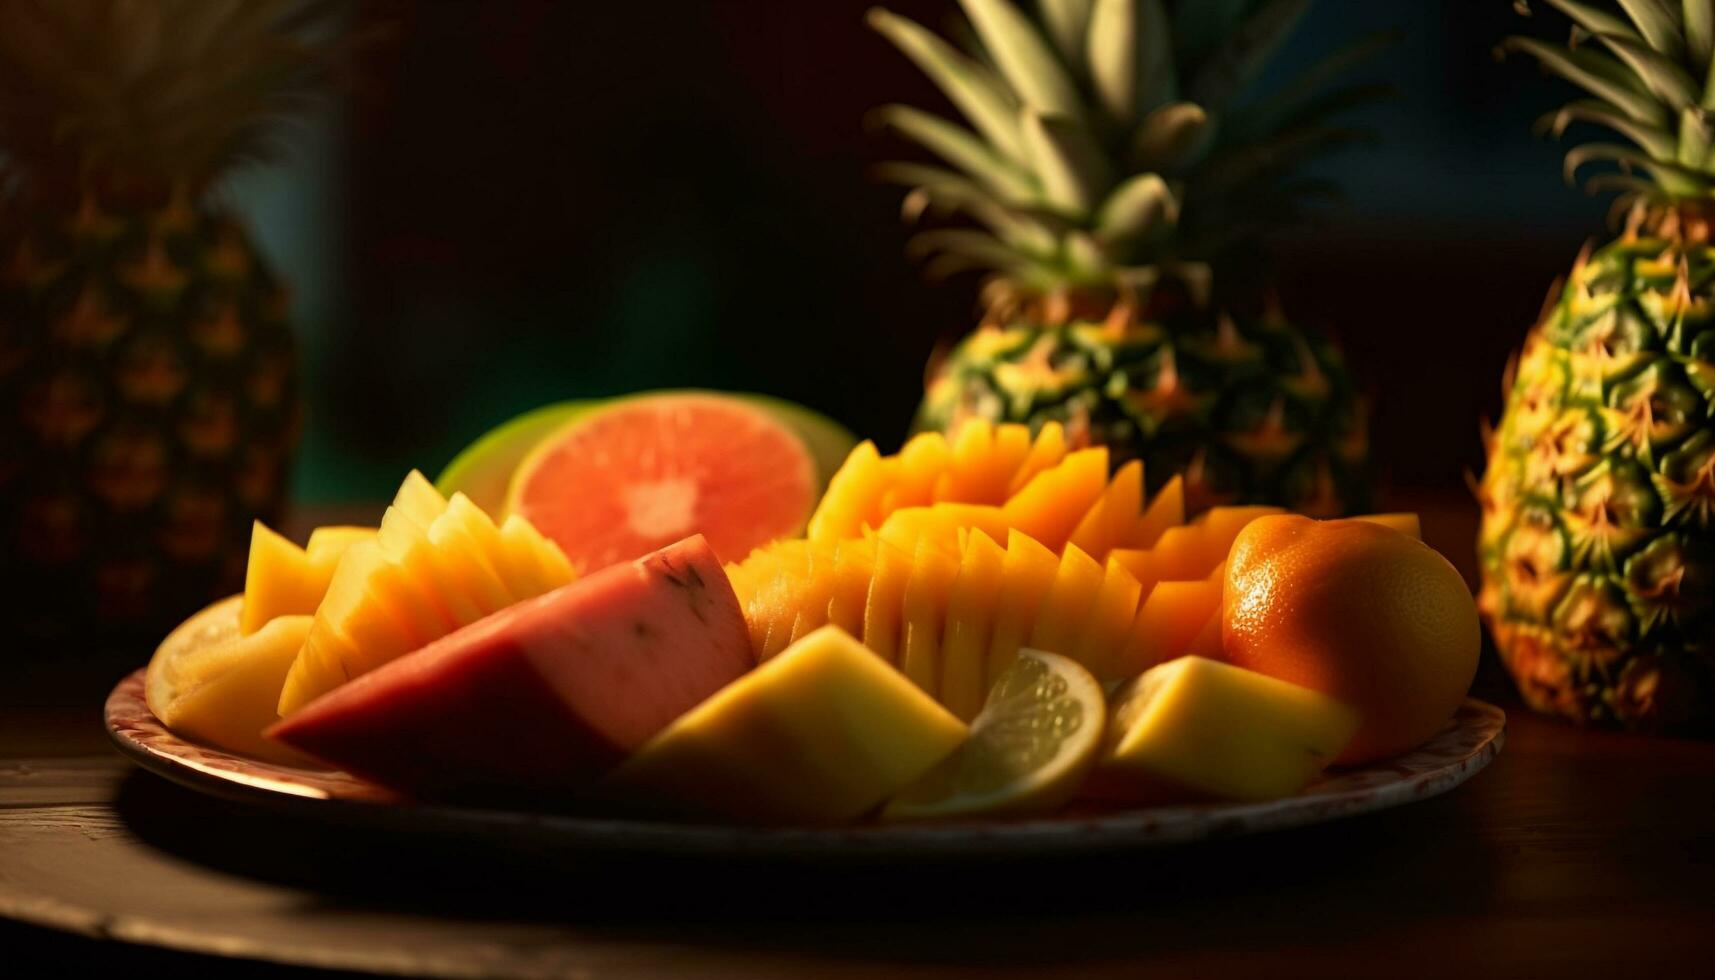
[650, 471]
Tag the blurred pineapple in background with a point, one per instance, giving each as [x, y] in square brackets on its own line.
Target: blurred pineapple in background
[149, 400]
[1119, 167]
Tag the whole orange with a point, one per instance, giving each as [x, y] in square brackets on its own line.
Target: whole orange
[1358, 611]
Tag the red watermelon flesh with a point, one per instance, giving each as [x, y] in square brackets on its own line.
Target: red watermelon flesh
[650, 470]
[540, 698]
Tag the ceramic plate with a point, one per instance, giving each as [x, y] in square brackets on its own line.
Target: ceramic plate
[1469, 742]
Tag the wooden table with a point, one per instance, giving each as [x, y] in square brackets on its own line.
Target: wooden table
[1576, 853]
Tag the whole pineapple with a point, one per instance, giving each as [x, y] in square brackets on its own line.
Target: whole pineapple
[1111, 163]
[148, 379]
[1598, 536]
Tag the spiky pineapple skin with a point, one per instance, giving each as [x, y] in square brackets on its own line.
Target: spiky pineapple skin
[148, 410]
[1597, 543]
[1249, 409]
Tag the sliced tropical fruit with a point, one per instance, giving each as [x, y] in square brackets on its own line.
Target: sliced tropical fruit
[970, 625]
[1114, 515]
[884, 605]
[1108, 622]
[1172, 615]
[1166, 509]
[1065, 609]
[1028, 750]
[210, 682]
[644, 472]
[483, 471]
[924, 615]
[282, 579]
[1195, 729]
[544, 697]
[433, 566]
[1055, 501]
[1026, 577]
[823, 733]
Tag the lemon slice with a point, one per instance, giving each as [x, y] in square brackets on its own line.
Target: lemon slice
[1029, 748]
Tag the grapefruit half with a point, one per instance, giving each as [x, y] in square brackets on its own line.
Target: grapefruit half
[645, 472]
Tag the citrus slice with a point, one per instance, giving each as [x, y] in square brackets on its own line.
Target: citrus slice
[649, 471]
[1028, 750]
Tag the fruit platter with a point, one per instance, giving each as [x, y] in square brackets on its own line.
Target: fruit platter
[697, 621]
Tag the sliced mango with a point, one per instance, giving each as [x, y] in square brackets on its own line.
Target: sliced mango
[1027, 575]
[1169, 619]
[971, 609]
[925, 614]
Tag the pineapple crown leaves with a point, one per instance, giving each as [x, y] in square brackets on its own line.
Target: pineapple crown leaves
[1649, 67]
[1107, 139]
[156, 93]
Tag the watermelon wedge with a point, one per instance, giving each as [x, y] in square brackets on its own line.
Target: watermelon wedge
[646, 471]
[538, 700]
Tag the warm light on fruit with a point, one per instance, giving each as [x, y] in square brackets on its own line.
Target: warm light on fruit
[1364, 613]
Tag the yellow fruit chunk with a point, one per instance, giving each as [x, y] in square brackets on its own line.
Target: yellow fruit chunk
[823, 733]
[854, 494]
[282, 579]
[921, 462]
[209, 682]
[971, 607]
[1195, 728]
[1065, 609]
[1108, 622]
[941, 523]
[432, 567]
[817, 591]
[1026, 576]
[1028, 751]
[1405, 523]
[1114, 515]
[854, 565]
[1221, 525]
[1182, 553]
[883, 605]
[1052, 504]
[1048, 449]
[925, 614]
[1169, 619]
[1166, 509]
[985, 457]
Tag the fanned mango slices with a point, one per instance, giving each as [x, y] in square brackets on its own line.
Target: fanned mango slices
[433, 566]
[283, 579]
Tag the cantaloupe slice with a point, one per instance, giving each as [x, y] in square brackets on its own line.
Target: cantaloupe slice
[1166, 623]
[1027, 575]
[971, 609]
[1052, 504]
[1120, 507]
[885, 602]
[1065, 609]
[1108, 622]
[925, 614]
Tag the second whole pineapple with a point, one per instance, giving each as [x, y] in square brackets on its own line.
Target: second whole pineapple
[1111, 156]
[1598, 536]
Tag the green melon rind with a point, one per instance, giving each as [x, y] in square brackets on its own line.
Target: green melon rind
[485, 471]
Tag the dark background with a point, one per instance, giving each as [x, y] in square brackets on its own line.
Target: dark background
[529, 201]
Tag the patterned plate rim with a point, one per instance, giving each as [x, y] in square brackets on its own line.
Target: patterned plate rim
[1468, 743]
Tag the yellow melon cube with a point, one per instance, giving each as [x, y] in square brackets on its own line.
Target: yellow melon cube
[823, 733]
[1166, 623]
[1065, 609]
[1195, 729]
[971, 608]
[1027, 575]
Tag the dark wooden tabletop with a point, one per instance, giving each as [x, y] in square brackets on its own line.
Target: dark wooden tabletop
[1577, 853]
